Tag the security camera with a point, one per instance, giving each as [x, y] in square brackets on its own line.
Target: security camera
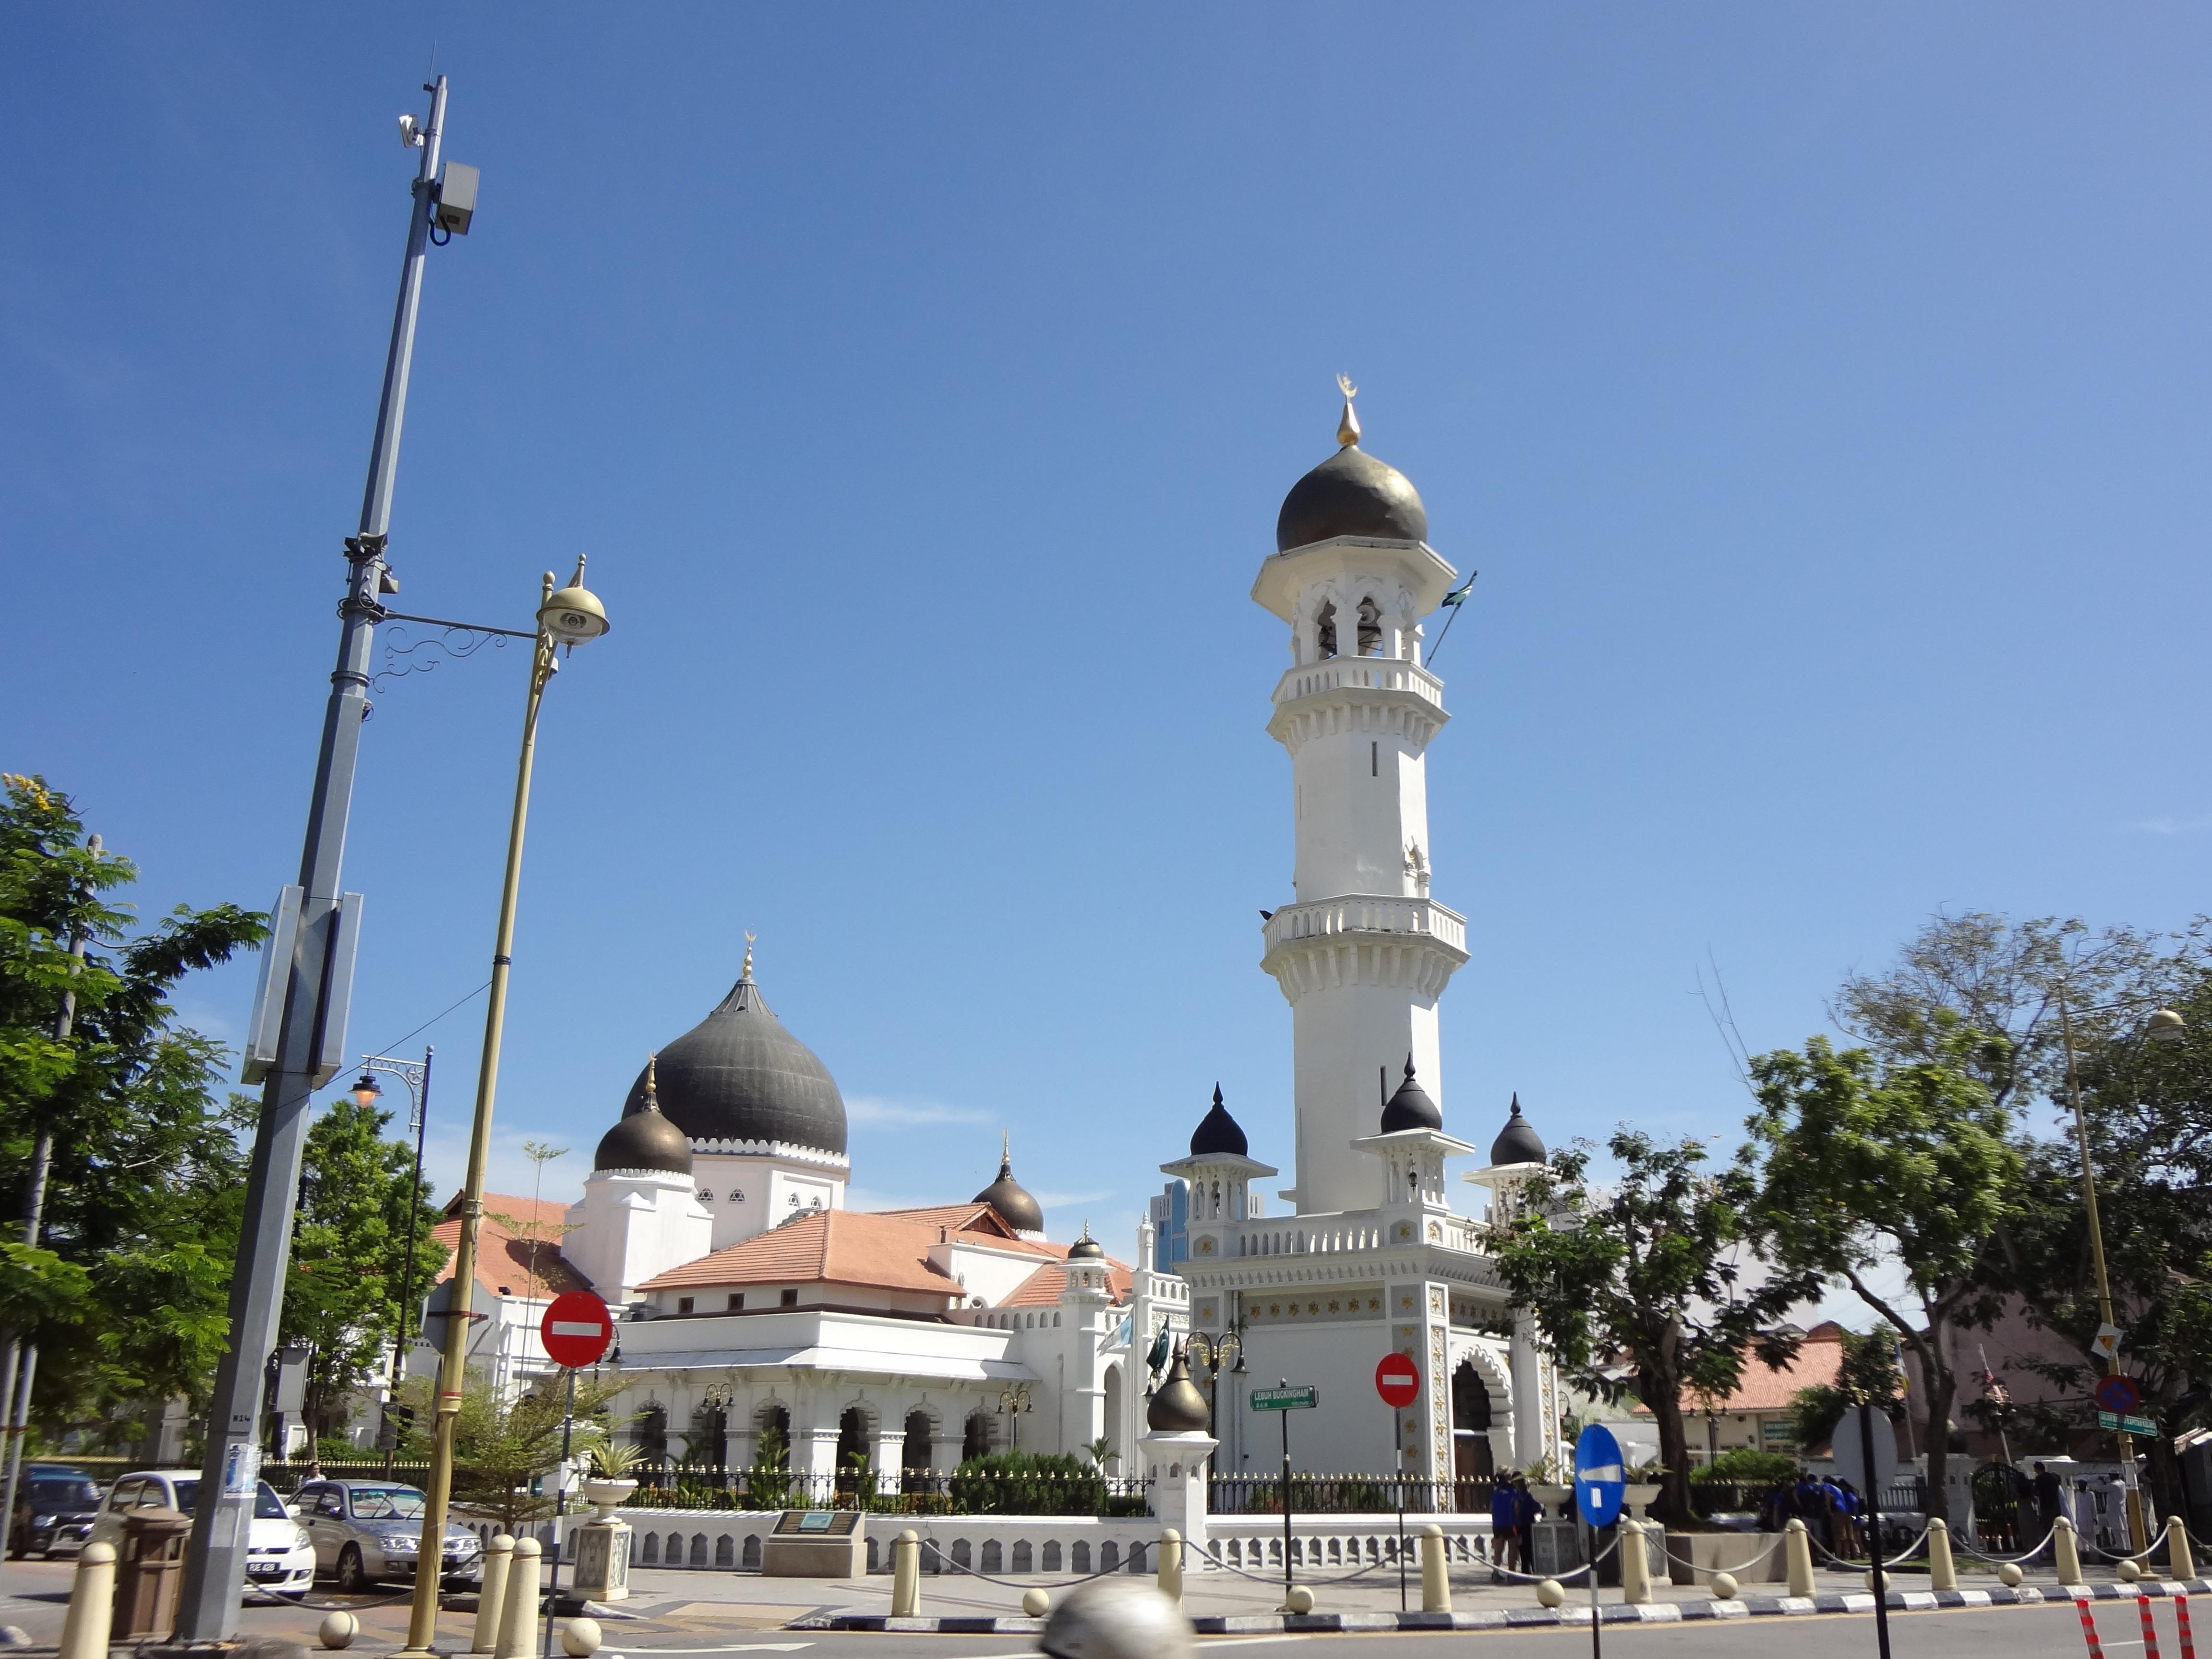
[411, 132]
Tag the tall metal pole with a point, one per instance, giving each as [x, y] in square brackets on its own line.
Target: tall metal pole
[423, 1623]
[417, 1079]
[1865, 1414]
[2138, 1534]
[215, 1559]
[21, 1353]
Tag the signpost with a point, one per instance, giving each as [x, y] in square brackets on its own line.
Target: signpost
[1285, 1399]
[1866, 1455]
[577, 1331]
[1398, 1381]
[1600, 1488]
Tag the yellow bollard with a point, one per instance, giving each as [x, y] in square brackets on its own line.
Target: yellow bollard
[498, 1556]
[1436, 1586]
[2066, 1552]
[518, 1619]
[1171, 1563]
[1942, 1571]
[1797, 1550]
[2180, 1563]
[906, 1575]
[91, 1604]
[1635, 1564]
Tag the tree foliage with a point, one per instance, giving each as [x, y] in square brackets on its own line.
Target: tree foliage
[1868, 1372]
[1635, 1286]
[1901, 1166]
[503, 1449]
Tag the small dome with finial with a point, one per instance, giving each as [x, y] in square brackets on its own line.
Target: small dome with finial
[1178, 1407]
[644, 1139]
[1350, 494]
[1518, 1142]
[1009, 1198]
[1217, 1131]
[1410, 1107]
[1086, 1248]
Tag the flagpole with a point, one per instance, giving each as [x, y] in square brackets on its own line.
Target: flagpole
[1455, 600]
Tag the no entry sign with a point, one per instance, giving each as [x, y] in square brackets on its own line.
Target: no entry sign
[578, 1330]
[1398, 1381]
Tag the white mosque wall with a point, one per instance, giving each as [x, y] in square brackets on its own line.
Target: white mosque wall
[748, 1193]
[1350, 1039]
[992, 1274]
[632, 1224]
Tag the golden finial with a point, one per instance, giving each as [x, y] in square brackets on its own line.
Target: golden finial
[652, 1096]
[746, 972]
[1348, 424]
[1005, 1151]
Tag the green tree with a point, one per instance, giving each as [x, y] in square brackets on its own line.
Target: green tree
[1904, 1167]
[504, 1449]
[1635, 1285]
[358, 1199]
[126, 1295]
[1869, 1371]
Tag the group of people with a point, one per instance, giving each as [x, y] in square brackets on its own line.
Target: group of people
[1831, 1508]
[1513, 1511]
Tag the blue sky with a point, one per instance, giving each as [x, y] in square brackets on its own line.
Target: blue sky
[1820, 391]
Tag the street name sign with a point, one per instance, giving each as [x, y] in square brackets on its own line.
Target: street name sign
[1285, 1399]
[2115, 1420]
[1398, 1381]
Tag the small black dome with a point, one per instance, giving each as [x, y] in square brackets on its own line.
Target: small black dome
[1410, 1107]
[1517, 1142]
[1217, 1131]
[1011, 1199]
[1350, 494]
[645, 1139]
[1086, 1248]
[1178, 1407]
[739, 1075]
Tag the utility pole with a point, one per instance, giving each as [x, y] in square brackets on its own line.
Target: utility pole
[296, 1040]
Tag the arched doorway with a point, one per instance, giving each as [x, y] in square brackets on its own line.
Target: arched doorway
[852, 1449]
[1114, 1418]
[914, 1456]
[975, 1439]
[772, 1438]
[1471, 1454]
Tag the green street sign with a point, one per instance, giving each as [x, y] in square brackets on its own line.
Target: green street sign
[2108, 1419]
[1285, 1399]
[2130, 1425]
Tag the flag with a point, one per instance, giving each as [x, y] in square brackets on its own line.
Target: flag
[1458, 595]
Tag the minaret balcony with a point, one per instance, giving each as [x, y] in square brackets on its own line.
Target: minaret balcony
[1382, 695]
[1364, 938]
[1316, 679]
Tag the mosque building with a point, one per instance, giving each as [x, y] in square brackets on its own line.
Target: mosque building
[760, 1312]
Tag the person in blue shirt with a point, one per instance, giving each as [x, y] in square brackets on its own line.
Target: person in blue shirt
[1504, 1529]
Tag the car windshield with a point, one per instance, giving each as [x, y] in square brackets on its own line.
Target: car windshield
[386, 1503]
[267, 1506]
[63, 1495]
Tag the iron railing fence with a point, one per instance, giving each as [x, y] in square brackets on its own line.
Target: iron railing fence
[1903, 1496]
[1348, 1494]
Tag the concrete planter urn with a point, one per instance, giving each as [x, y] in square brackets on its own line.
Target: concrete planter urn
[606, 1495]
[1641, 1496]
[1551, 1497]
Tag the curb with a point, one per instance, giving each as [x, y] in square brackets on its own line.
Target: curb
[1654, 1613]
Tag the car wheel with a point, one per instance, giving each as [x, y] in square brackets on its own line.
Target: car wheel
[353, 1579]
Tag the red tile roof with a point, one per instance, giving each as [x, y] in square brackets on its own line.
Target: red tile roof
[836, 1246]
[1042, 1287]
[515, 1234]
[1763, 1388]
[979, 1219]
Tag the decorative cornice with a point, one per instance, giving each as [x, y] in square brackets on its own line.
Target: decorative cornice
[785, 1150]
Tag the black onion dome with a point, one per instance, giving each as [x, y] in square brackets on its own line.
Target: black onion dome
[1011, 1199]
[1410, 1107]
[1177, 1407]
[1086, 1248]
[1350, 494]
[1518, 1142]
[1217, 1131]
[739, 1075]
[645, 1139]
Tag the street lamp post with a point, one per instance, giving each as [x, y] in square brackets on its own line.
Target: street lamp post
[1013, 1400]
[296, 1036]
[566, 618]
[2166, 1027]
[366, 1092]
[1214, 1355]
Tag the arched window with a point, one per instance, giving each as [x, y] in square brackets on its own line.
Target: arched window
[708, 1441]
[852, 1448]
[652, 1433]
[975, 1439]
[1370, 628]
[772, 1447]
[1472, 1458]
[1325, 627]
[914, 1455]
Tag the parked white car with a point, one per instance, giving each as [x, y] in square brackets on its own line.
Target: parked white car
[280, 1556]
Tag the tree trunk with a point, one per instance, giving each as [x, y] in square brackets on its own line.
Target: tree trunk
[1942, 1392]
[1661, 1396]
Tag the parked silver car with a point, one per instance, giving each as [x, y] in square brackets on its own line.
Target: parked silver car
[365, 1530]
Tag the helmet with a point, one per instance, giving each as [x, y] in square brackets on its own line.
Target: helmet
[1118, 1619]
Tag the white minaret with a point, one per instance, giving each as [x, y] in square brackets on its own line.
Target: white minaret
[1364, 952]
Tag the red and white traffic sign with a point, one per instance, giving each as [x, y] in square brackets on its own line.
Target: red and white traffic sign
[1398, 1381]
[578, 1330]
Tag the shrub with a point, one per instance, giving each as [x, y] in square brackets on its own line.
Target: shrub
[1747, 1466]
[1028, 1483]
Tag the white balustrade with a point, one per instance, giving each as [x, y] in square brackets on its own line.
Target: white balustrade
[1361, 674]
[1367, 913]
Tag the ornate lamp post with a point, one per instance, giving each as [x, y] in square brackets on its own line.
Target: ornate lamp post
[2165, 1027]
[1213, 1355]
[568, 617]
[366, 1092]
[1013, 1400]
